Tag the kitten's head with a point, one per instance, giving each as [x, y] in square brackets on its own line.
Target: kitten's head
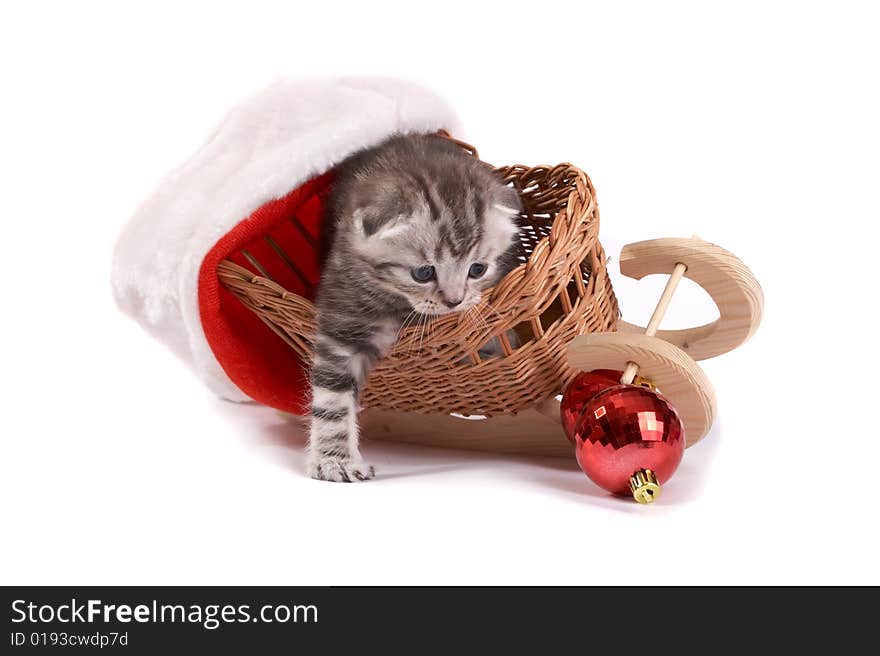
[434, 227]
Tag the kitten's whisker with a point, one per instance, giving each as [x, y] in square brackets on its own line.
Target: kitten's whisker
[469, 316]
[476, 320]
[420, 324]
[403, 327]
[426, 329]
[491, 307]
[413, 319]
[413, 323]
[422, 337]
[482, 319]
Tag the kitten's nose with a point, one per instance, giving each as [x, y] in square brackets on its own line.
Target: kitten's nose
[451, 304]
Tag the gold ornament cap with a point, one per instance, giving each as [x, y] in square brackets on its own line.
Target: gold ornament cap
[644, 485]
[641, 381]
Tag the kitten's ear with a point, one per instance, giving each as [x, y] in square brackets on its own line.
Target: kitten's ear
[503, 219]
[380, 211]
[507, 200]
[373, 223]
[507, 211]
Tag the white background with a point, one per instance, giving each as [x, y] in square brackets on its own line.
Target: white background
[754, 126]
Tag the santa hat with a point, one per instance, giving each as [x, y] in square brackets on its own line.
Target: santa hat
[264, 164]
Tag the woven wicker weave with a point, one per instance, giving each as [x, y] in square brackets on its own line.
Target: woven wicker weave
[560, 290]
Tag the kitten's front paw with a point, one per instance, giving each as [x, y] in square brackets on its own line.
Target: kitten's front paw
[340, 470]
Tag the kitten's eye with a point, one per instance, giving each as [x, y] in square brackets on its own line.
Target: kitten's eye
[477, 270]
[423, 274]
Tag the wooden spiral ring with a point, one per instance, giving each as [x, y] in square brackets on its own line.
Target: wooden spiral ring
[729, 282]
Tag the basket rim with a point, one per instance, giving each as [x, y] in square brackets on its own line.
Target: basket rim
[550, 247]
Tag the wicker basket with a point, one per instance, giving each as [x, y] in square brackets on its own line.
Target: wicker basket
[560, 290]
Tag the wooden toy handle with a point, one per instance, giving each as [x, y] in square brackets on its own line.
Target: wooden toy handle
[632, 368]
[725, 278]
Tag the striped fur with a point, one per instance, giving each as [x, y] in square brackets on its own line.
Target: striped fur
[410, 203]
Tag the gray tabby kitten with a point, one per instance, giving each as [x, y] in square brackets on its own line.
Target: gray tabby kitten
[415, 225]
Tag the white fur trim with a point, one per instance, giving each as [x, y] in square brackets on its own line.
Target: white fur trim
[270, 144]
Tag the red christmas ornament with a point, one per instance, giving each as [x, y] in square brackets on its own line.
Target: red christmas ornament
[629, 440]
[580, 390]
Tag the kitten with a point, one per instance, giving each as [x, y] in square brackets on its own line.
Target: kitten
[414, 225]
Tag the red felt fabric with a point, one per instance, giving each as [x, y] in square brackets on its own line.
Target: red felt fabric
[254, 358]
